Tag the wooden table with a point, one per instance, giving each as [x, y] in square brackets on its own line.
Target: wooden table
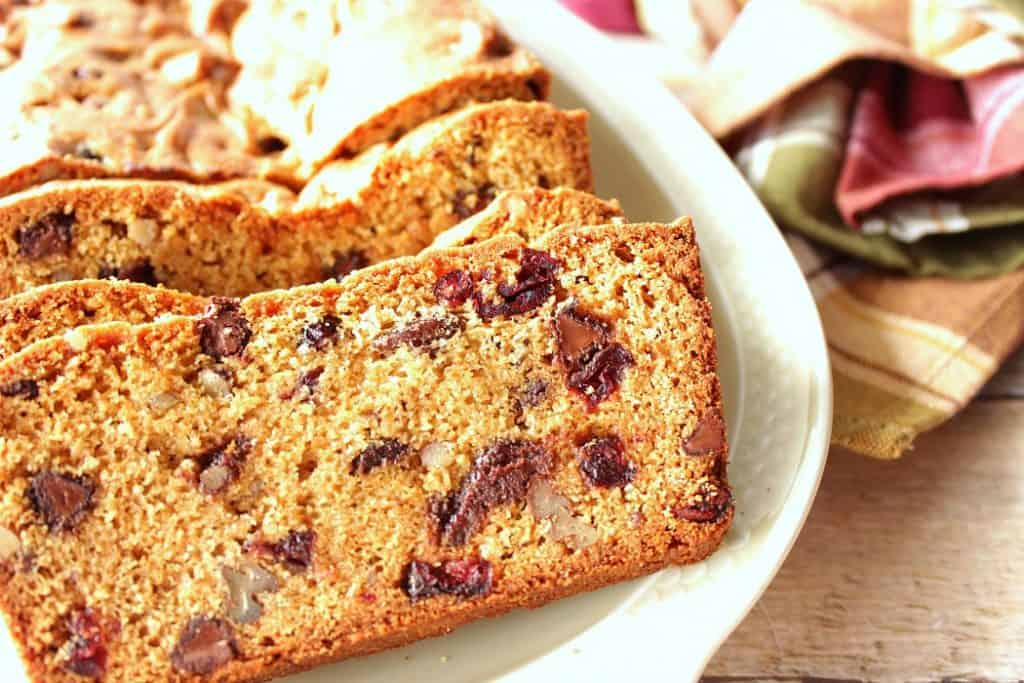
[906, 571]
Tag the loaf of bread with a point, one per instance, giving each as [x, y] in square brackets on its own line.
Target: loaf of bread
[213, 90]
[323, 472]
[51, 310]
[245, 236]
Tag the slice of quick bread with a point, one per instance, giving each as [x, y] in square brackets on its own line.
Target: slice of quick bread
[323, 472]
[51, 310]
[247, 236]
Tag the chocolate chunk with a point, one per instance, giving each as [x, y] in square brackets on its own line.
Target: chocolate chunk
[221, 466]
[27, 389]
[48, 236]
[223, 330]
[61, 500]
[317, 336]
[345, 263]
[87, 643]
[377, 454]
[295, 550]
[466, 203]
[463, 578]
[534, 284]
[501, 474]
[271, 144]
[84, 151]
[709, 435]
[710, 504]
[497, 45]
[453, 288]
[140, 271]
[580, 335]
[422, 335]
[603, 462]
[206, 644]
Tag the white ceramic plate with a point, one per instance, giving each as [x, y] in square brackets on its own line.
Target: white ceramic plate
[656, 159]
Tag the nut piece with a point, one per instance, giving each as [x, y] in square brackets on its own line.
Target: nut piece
[501, 474]
[222, 465]
[10, 545]
[546, 503]
[709, 435]
[143, 231]
[206, 644]
[244, 584]
[223, 330]
[603, 463]
[436, 455]
[48, 236]
[463, 578]
[162, 402]
[61, 500]
[215, 382]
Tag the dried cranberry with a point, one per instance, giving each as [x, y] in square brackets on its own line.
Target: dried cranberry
[501, 474]
[140, 271]
[306, 384]
[603, 462]
[709, 435]
[27, 389]
[61, 500]
[219, 467]
[534, 284]
[709, 505]
[345, 263]
[87, 643]
[206, 644]
[602, 375]
[463, 578]
[317, 336]
[377, 454]
[422, 334]
[294, 550]
[48, 236]
[453, 288]
[223, 330]
[466, 203]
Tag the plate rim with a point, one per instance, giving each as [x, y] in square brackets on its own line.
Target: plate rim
[592, 51]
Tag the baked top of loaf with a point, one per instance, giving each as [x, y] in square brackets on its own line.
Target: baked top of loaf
[333, 78]
[340, 468]
[192, 91]
[51, 310]
[245, 236]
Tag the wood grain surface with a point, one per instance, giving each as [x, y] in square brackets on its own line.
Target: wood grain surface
[910, 570]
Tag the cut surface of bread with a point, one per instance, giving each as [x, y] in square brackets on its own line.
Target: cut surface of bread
[318, 473]
[247, 236]
[51, 310]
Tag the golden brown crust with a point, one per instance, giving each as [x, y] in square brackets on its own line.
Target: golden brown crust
[52, 309]
[245, 236]
[640, 280]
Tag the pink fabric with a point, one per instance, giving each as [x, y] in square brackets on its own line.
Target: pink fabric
[912, 132]
[617, 16]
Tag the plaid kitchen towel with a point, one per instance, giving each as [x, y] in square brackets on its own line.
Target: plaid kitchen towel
[890, 133]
